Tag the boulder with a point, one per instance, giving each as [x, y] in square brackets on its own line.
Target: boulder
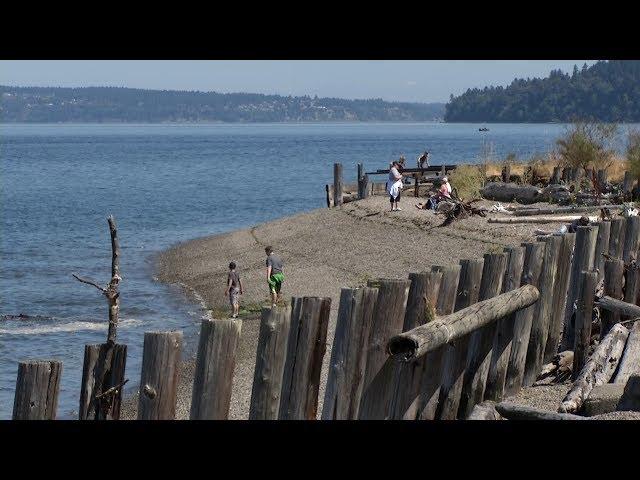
[603, 399]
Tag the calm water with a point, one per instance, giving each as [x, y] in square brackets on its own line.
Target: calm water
[166, 184]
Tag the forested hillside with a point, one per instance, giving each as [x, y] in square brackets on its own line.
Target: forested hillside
[608, 91]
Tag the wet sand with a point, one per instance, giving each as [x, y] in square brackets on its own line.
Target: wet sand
[323, 251]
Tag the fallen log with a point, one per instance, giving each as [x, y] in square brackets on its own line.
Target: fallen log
[525, 212]
[510, 192]
[618, 306]
[598, 370]
[562, 218]
[630, 361]
[512, 411]
[426, 338]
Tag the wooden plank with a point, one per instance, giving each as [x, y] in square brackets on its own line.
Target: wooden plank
[534, 254]
[270, 360]
[431, 168]
[455, 354]
[613, 274]
[598, 370]
[583, 260]
[37, 387]
[630, 361]
[481, 340]
[215, 363]
[561, 282]
[349, 354]
[102, 372]
[543, 311]
[503, 338]
[417, 384]
[301, 378]
[159, 378]
[380, 370]
[584, 314]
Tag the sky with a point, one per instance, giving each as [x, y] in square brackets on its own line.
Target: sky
[394, 80]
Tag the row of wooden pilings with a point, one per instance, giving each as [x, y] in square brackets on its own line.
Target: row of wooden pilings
[573, 174]
[428, 347]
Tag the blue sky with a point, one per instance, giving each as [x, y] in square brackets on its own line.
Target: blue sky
[398, 80]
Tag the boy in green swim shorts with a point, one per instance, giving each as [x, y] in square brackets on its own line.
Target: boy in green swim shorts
[275, 275]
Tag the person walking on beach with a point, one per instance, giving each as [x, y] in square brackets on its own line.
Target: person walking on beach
[275, 275]
[234, 289]
[394, 185]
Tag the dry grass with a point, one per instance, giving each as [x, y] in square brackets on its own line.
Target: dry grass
[467, 180]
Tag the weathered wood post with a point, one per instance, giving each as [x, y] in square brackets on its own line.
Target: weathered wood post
[584, 314]
[631, 239]
[602, 247]
[555, 178]
[349, 354]
[602, 177]
[337, 184]
[613, 274]
[448, 287]
[534, 257]
[543, 311]
[363, 183]
[213, 375]
[481, 341]
[616, 238]
[417, 384]
[506, 173]
[306, 347]
[102, 381]
[455, 355]
[270, 358]
[37, 386]
[583, 260]
[380, 370]
[159, 378]
[627, 185]
[503, 338]
[631, 284]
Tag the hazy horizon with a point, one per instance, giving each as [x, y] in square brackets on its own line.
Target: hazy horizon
[423, 81]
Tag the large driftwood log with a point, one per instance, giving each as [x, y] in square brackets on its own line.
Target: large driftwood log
[426, 338]
[630, 361]
[618, 306]
[544, 219]
[598, 370]
[512, 192]
[526, 212]
[512, 411]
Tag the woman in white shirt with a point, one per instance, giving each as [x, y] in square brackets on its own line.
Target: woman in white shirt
[394, 185]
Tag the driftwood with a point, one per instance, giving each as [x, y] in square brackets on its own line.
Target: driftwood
[484, 411]
[561, 218]
[618, 306]
[526, 212]
[598, 370]
[459, 210]
[630, 361]
[630, 399]
[558, 370]
[512, 411]
[426, 338]
[511, 192]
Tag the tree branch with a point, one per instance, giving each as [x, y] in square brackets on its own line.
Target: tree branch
[89, 282]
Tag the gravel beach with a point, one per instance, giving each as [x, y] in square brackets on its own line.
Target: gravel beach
[323, 250]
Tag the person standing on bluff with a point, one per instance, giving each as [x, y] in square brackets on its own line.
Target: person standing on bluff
[275, 275]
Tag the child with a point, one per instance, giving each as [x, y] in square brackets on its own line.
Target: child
[234, 289]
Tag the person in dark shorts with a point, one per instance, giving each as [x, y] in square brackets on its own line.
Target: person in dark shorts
[234, 289]
[275, 275]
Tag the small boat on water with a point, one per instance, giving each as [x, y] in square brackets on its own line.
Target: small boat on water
[483, 129]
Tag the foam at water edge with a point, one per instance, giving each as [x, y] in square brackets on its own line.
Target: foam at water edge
[67, 327]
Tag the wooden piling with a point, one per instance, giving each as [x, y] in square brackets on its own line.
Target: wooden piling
[584, 257]
[627, 185]
[349, 354]
[306, 347]
[602, 247]
[215, 363]
[543, 312]
[613, 274]
[534, 255]
[561, 287]
[455, 354]
[270, 358]
[448, 288]
[503, 337]
[506, 173]
[631, 239]
[616, 237]
[631, 285]
[555, 178]
[159, 378]
[417, 384]
[337, 184]
[37, 386]
[584, 314]
[380, 370]
[102, 380]
[481, 341]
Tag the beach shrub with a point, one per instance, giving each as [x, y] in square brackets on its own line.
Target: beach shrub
[467, 180]
[588, 145]
[633, 152]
